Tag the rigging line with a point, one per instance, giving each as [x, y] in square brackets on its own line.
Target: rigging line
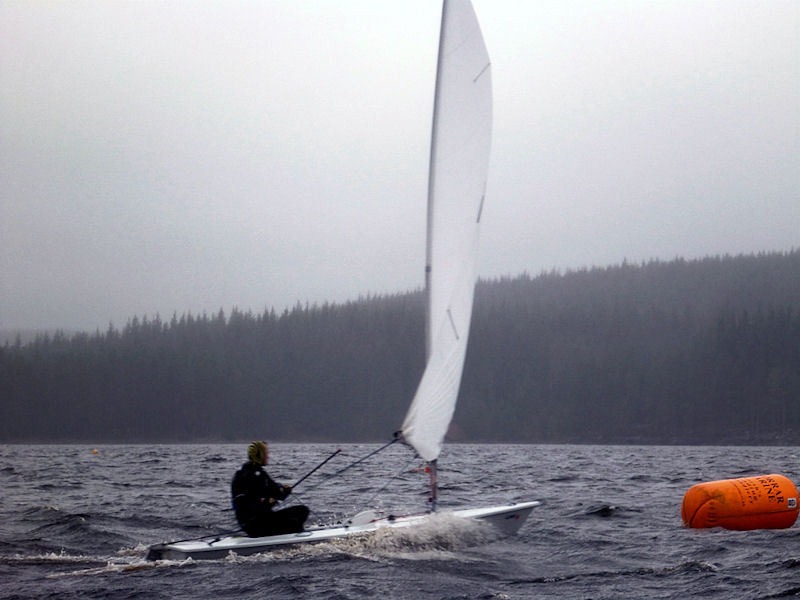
[312, 471]
[389, 480]
[353, 464]
[296, 498]
[217, 536]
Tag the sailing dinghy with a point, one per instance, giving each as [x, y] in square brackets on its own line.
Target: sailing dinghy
[459, 161]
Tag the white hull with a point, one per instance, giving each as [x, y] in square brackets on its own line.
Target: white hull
[507, 519]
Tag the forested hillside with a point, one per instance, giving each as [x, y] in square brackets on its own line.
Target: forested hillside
[704, 351]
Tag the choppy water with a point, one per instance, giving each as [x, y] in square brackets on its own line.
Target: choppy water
[74, 524]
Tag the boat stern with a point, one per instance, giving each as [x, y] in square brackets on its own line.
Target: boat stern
[157, 552]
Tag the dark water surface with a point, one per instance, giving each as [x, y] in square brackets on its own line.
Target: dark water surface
[74, 524]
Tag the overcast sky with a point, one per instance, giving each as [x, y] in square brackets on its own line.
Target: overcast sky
[160, 157]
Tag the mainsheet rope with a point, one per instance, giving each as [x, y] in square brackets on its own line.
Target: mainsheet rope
[351, 465]
[389, 480]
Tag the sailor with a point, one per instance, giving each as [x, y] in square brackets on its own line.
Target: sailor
[255, 495]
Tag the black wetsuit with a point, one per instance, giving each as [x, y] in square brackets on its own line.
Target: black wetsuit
[251, 490]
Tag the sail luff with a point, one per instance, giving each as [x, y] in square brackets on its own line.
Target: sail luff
[459, 159]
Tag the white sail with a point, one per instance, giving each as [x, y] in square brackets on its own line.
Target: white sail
[459, 162]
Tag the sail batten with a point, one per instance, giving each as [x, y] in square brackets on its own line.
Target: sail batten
[458, 171]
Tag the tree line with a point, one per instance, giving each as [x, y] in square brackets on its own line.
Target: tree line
[701, 351]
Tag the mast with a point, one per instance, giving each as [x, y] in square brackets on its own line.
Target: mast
[431, 465]
[458, 170]
[431, 186]
[432, 500]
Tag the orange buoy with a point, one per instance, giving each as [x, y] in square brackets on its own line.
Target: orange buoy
[762, 502]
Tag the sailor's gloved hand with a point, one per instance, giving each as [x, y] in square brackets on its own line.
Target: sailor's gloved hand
[287, 489]
[272, 501]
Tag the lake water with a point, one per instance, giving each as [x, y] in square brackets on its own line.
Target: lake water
[76, 524]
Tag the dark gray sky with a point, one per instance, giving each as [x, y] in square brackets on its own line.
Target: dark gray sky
[185, 156]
